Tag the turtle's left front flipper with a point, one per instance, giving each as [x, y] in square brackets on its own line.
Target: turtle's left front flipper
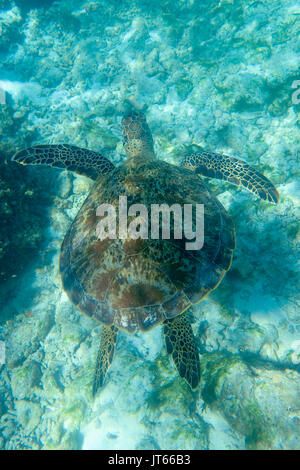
[234, 171]
[82, 161]
[105, 355]
[181, 344]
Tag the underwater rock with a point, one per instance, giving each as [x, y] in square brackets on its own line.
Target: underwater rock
[9, 25]
[8, 127]
[260, 403]
[24, 341]
[29, 4]
[24, 379]
[29, 414]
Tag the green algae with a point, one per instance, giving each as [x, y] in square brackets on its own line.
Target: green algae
[215, 366]
[183, 88]
[74, 412]
[257, 433]
[243, 412]
[167, 386]
[169, 399]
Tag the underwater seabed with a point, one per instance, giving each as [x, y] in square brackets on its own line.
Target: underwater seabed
[250, 387]
[227, 89]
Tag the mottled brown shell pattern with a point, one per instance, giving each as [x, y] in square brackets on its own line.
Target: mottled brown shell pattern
[136, 284]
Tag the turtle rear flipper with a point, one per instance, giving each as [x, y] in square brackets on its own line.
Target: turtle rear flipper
[180, 342]
[82, 161]
[105, 355]
[234, 171]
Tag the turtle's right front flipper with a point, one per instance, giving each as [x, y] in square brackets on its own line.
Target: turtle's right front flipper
[82, 161]
[105, 355]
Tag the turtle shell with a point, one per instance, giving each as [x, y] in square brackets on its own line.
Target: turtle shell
[137, 283]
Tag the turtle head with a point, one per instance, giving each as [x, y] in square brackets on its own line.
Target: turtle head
[137, 138]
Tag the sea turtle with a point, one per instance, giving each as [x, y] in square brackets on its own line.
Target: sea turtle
[137, 283]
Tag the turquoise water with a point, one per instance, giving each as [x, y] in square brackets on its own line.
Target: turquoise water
[221, 76]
